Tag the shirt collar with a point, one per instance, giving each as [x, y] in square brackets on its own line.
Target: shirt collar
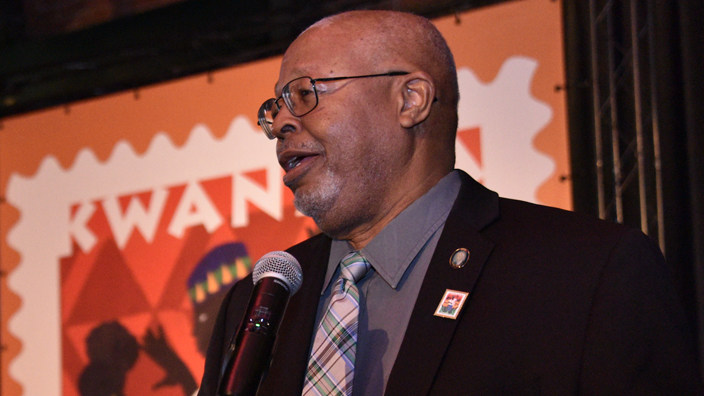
[394, 248]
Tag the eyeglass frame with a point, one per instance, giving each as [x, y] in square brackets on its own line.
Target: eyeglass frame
[285, 96]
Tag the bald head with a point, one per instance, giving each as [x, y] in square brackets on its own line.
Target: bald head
[391, 40]
[391, 36]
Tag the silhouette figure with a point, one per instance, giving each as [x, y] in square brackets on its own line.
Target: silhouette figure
[112, 351]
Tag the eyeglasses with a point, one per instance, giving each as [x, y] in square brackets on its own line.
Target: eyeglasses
[300, 97]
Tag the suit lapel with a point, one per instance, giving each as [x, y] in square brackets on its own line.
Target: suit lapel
[415, 367]
[290, 357]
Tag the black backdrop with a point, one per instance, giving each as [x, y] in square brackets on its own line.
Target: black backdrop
[679, 90]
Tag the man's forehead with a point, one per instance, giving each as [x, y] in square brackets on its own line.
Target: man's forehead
[290, 71]
[284, 78]
[347, 45]
[320, 63]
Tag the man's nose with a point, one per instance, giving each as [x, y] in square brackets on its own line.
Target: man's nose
[284, 123]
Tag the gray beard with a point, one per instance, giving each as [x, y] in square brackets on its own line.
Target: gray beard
[318, 203]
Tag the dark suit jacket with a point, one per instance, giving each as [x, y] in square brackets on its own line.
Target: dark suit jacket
[559, 304]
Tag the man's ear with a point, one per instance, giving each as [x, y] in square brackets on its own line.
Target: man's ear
[418, 96]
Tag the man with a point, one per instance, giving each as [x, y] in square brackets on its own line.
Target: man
[552, 303]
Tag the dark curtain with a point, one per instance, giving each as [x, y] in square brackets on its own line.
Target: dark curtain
[678, 31]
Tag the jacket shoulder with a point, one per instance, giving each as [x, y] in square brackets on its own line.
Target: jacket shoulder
[558, 221]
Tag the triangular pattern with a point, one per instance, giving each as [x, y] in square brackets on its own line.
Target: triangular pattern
[471, 139]
[110, 290]
[193, 248]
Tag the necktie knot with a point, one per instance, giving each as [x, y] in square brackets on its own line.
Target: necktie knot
[354, 267]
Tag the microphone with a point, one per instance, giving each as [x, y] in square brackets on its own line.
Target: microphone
[277, 276]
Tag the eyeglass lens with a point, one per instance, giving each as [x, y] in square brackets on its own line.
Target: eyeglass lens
[266, 116]
[300, 97]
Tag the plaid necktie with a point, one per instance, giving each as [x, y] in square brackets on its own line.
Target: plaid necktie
[331, 365]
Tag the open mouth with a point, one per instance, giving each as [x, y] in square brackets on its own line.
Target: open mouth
[290, 160]
[293, 163]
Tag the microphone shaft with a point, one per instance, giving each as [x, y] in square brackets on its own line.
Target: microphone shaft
[255, 338]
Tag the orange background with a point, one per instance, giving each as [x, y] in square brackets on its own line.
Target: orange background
[533, 29]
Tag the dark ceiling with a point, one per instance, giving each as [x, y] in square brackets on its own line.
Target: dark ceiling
[57, 51]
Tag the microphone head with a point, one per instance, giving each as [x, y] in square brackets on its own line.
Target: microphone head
[281, 265]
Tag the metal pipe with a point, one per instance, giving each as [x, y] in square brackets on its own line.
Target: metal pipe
[637, 103]
[615, 146]
[657, 159]
[599, 152]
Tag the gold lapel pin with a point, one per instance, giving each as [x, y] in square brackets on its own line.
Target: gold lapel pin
[459, 258]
